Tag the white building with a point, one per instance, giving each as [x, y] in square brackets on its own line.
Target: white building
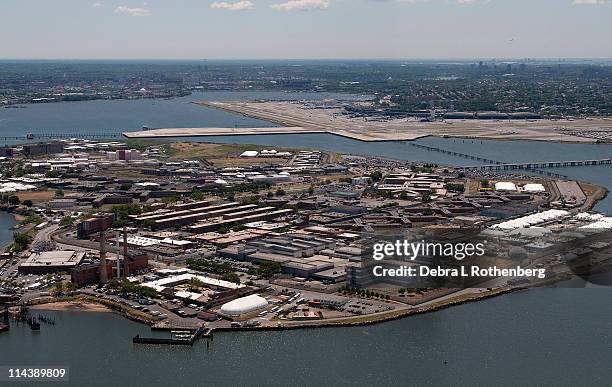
[244, 305]
[505, 186]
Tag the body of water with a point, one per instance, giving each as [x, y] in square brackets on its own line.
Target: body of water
[6, 233]
[557, 337]
[113, 117]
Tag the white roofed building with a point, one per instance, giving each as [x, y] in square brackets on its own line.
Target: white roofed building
[505, 186]
[244, 305]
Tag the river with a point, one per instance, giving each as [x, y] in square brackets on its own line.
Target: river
[7, 221]
[112, 117]
[555, 336]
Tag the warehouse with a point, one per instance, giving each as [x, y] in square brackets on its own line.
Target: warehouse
[51, 262]
[216, 224]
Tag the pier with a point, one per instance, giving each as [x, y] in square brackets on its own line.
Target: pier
[199, 333]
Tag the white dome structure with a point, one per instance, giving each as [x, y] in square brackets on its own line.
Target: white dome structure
[244, 305]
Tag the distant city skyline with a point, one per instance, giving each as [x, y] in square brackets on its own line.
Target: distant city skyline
[306, 29]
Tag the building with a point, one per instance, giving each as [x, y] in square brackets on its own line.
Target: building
[30, 150]
[62, 203]
[112, 199]
[244, 305]
[94, 225]
[87, 274]
[51, 262]
[124, 155]
[6, 151]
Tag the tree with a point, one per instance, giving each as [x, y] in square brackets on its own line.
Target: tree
[197, 195]
[280, 192]
[66, 221]
[20, 241]
[59, 193]
[376, 176]
[32, 219]
[270, 194]
[268, 269]
[13, 200]
[311, 189]
[28, 203]
[125, 186]
[195, 283]
[231, 277]
[53, 174]
[59, 287]
[148, 223]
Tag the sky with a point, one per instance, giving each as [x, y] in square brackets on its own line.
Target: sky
[305, 29]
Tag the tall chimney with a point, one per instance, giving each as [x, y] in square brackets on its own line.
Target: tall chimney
[103, 274]
[118, 250]
[126, 270]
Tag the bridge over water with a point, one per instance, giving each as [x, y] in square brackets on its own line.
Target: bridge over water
[50, 136]
[492, 164]
[540, 164]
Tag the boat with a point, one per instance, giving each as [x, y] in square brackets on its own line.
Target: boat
[30, 136]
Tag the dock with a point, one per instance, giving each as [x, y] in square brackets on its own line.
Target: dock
[199, 333]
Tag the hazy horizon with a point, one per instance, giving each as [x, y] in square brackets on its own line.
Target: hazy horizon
[306, 29]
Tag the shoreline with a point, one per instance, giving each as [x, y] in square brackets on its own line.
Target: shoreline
[536, 130]
[179, 133]
[72, 306]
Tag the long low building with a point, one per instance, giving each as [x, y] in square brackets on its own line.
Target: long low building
[213, 212]
[51, 262]
[180, 279]
[218, 223]
[180, 211]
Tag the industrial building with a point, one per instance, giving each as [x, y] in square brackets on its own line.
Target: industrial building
[30, 150]
[99, 222]
[51, 262]
[229, 219]
[89, 273]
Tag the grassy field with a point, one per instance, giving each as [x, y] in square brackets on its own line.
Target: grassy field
[220, 154]
[37, 196]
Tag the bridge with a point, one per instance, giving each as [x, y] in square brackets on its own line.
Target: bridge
[50, 136]
[541, 164]
[492, 165]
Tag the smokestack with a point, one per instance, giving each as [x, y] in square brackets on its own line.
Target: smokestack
[126, 271]
[118, 250]
[103, 274]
